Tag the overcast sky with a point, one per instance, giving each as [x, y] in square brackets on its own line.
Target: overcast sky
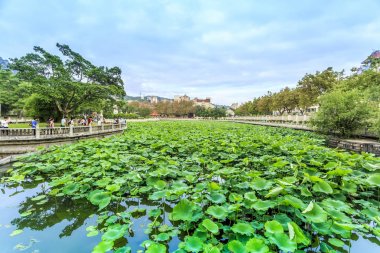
[230, 51]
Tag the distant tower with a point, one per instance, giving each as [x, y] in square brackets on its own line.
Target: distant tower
[141, 96]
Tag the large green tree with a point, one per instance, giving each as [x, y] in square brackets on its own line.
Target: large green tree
[311, 86]
[12, 92]
[68, 82]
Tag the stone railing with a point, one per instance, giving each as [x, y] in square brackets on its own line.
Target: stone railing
[289, 119]
[45, 133]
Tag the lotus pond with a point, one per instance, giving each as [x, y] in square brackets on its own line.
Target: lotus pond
[193, 187]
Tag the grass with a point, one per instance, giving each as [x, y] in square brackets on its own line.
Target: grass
[25, 125]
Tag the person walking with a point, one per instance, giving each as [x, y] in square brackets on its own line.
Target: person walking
[51, 122]
[89, 121]
[63, 122]
[34, 123]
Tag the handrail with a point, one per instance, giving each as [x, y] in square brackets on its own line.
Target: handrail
[47, 132]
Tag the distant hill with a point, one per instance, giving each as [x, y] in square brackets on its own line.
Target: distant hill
[3, 63]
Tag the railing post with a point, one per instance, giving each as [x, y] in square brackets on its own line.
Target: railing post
[38, 132]
[113, 126]
[90, 129]
[71, 132]
[119, 124]
[102, 127]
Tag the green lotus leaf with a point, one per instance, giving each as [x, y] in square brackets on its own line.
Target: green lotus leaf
[202, 233]
[103, 182]
[290, 180]
[315, 213]
[184, 211]
[336, 242]
[261, 184]
[209, 248]
[371, 167]
[99, 198]
[125, 249]
[39, 197]
[218, 212]
[337, 215]
[339, 172]
[234, 197]
[213, 186]
[323, 228]
[27, 213]
[349, 187]
[322, 186]
[160, 184]
[16, 232]
[114, 232]
[371, 212]
[113, 187]
[343, 229]
[296, 234]
[256, 245]
[305, 192]
[335, 204]
[251, 196]
[156, 248]
[236, 246]
[154, 212]
[274, 192]
[162, 237]
[283, 219]
[103, 247]
[211, 226]
[70, 189]
[92, 233]
[263, 205]
[193, 244]
[243, 229]
[374, 179]
[273, 227]
[243, 185]
[217, 198]
[283, 242]
[293, 201]
[157, 195]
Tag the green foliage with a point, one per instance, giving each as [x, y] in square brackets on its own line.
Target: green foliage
[312, 86]
[11, 93]
[259, 189]
[67, 83]
[210, 113]
[342, 112]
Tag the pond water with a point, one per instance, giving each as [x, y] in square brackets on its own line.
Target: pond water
[59, 225]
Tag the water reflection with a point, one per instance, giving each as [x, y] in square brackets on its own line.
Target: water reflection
[58, 224]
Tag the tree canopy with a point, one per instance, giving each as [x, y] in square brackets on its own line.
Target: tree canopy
[68, 82]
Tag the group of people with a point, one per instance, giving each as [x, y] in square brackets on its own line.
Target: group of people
[65, 122]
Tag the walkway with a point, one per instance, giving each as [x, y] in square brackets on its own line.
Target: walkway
[356, 145]
[22, 140]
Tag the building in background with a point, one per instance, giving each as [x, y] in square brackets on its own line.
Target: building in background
[181, 98]
[152, 99]
[206, 103]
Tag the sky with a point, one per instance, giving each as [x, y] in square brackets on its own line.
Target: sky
[231, 51]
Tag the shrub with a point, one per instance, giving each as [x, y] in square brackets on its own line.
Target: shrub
[342, 112]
